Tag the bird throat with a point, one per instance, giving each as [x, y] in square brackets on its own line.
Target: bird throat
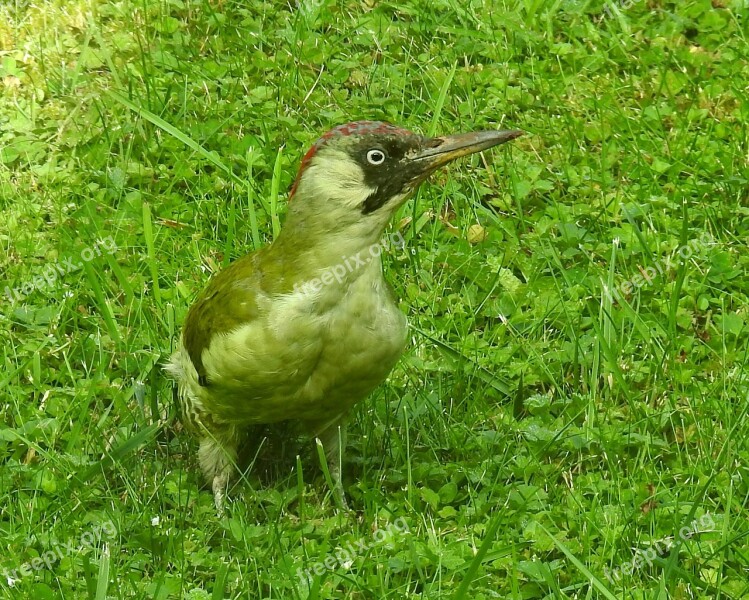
[327, 269]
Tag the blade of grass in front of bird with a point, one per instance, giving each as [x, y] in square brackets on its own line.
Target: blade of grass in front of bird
[326, 473]
[300, 488]
[275, 185]
[151, 252]
[256, 242]
[231, 229]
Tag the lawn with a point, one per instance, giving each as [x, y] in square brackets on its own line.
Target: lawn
[570, 417]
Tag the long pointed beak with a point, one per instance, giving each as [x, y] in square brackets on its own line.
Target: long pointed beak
[441, 150]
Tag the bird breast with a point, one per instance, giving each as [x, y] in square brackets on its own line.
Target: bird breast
[313, 353]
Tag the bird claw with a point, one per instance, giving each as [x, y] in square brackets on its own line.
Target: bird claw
[220, 483]
[340, 497]
[218, 500]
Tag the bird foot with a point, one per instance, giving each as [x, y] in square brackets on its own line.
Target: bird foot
[220, 483]
[340, 497]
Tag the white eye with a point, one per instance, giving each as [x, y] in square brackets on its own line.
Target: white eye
[375, 157]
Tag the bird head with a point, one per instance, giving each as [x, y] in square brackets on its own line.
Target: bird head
[356, 175]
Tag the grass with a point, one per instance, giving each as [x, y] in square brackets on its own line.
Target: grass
[575, 390]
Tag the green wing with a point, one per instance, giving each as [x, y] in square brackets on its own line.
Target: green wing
[229, 301]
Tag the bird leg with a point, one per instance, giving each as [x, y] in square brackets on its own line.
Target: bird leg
[218, 456]
[332, 436]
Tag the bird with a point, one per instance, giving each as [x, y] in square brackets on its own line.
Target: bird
[306, 327]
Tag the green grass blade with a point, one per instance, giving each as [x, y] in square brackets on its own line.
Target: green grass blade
[102, 304]
[594, 580]
[102, 583]
[470, 575]
[441, 98]
[274, 187]
[211, 157]
[153, 265]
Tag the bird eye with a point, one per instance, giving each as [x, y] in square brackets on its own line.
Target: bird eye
[375, 157]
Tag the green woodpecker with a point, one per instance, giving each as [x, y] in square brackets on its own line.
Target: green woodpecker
[306, 327]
